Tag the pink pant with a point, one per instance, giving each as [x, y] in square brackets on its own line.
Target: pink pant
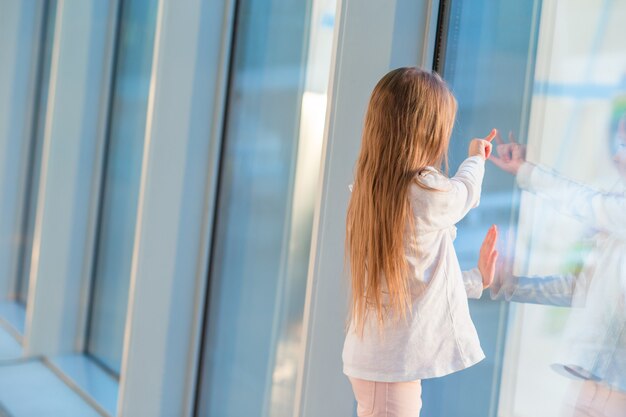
[596, 400]
[387, 399]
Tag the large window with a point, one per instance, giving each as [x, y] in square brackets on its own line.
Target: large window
[576, 131]
[120, 189]
[551, 75]
[269, 174]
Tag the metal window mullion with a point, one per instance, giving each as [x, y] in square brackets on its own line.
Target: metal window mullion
[17, 106]
[174, 225]
[228, 56]
[29, 170]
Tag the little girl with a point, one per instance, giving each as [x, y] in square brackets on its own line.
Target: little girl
[409, 313]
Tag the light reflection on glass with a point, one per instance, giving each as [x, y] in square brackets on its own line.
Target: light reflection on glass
[269, 177]
[570, 237]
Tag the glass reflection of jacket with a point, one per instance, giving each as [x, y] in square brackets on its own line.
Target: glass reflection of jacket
[595, 334]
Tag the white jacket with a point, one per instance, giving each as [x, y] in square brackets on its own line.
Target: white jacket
[439, 337]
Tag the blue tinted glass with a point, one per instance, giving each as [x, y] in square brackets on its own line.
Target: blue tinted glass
[565, 272]
[123, 160]
[553, 74]
[489, 51]
[269, 174]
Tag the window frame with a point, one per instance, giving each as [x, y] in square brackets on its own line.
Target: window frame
[20, 109]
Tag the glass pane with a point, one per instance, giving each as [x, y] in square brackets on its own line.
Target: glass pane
[26, 31]
[121, 182]
[269, 174]
[34, 161]
[487, 70]
[552, 73]
[570, 246]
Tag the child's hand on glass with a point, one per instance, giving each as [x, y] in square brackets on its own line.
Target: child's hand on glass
[511, 155]
[488, 256]
[482, 147]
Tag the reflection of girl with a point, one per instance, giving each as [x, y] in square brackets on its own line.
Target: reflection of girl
[409, 317]
[596, 330]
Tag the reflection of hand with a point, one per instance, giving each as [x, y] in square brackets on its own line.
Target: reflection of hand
[488, 256]
[504, 282]
[482, 147]
[511, 155]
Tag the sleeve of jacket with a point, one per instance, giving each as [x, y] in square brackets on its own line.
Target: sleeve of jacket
[452, 198]
[603, 211]
[555, 290]
[473, 282]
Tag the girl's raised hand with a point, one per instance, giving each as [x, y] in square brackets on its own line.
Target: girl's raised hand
[482, 147]
[488, 256]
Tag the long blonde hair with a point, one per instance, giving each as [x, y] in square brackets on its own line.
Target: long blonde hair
[407, 127]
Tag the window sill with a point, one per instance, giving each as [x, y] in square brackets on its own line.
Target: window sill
[87, 377]
[13, 315]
